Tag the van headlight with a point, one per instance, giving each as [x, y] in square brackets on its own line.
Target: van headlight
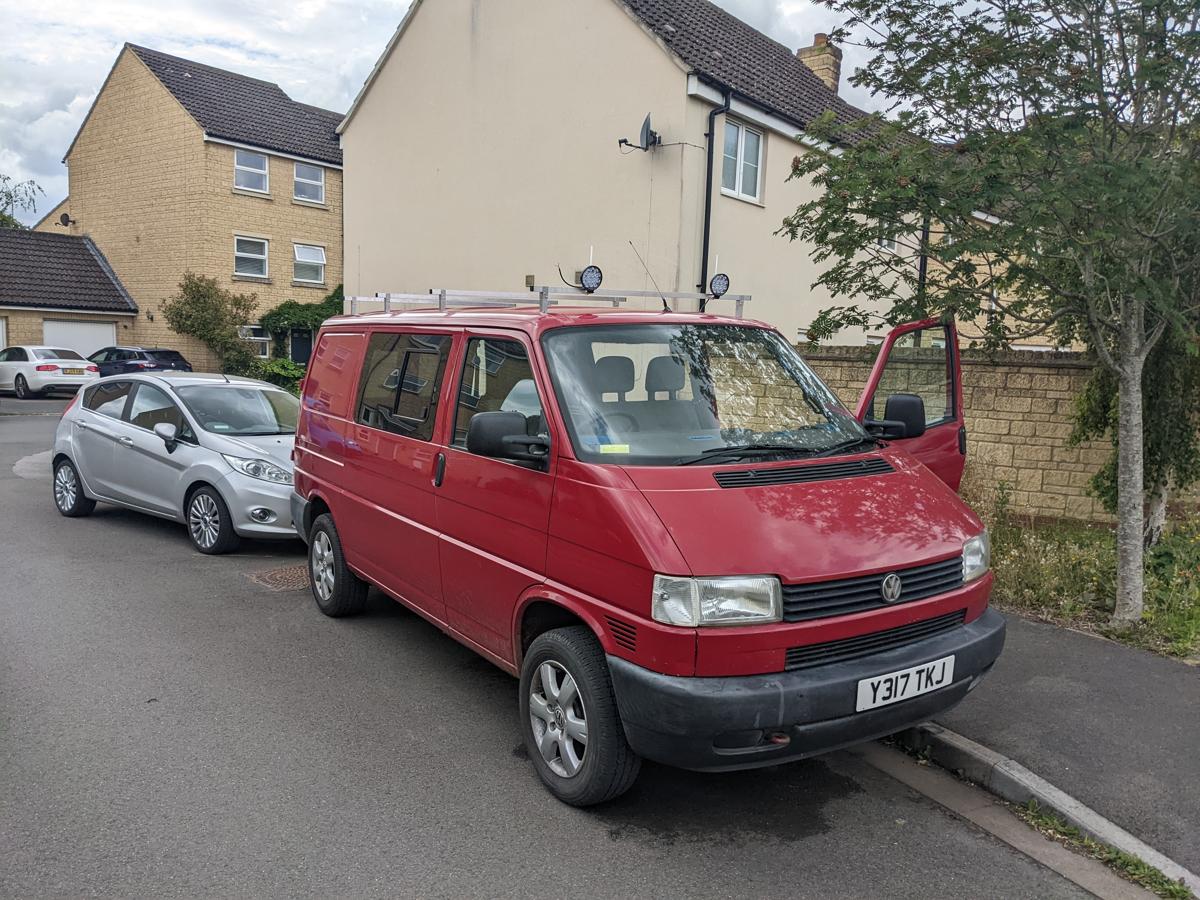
[260, 469]
[977, 557]
[736, 600]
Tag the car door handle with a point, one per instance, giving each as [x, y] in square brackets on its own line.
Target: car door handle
[83, 426]
[125, 441]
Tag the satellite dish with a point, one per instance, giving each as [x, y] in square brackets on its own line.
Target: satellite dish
[648, 140]
[65, 220]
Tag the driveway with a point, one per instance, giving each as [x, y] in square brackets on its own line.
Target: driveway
[171, 728]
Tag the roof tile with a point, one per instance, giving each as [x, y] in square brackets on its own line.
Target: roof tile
[60, 271]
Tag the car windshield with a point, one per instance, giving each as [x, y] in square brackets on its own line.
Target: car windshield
[55, 353]
[664, 394]
[241, 409]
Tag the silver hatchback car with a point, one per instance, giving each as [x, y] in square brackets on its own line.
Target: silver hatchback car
[212, 452]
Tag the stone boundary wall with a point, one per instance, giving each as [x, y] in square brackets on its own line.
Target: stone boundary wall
[1018, 411]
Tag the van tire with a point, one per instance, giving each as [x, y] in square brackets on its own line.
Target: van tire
[609, 767]
[345, 594]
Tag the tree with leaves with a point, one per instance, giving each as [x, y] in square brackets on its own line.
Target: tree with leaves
[16, 195]
[206, 311]
[1041, 177]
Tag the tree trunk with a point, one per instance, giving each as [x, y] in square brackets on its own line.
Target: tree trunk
[1130, 493]
[1156, 515]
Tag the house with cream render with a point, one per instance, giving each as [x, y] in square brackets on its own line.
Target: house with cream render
[485, 147]
[182, 167]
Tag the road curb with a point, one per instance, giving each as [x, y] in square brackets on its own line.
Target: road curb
[1011, 781]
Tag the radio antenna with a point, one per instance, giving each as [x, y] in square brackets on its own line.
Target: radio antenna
[666, 307]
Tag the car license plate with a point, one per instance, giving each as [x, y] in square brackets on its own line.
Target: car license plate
[883, 690]
[72, 371]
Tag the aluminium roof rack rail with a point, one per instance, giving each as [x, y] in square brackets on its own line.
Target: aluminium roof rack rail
[544, 296]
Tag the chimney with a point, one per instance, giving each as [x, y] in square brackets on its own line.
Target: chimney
[824, 59]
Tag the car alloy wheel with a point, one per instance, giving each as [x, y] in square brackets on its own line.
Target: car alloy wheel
[558, 718]
[322, 566]
[21, 387]
[66, 488]
[204, 521]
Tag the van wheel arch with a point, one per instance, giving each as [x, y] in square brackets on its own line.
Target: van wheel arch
[316, 508]
[541, 615]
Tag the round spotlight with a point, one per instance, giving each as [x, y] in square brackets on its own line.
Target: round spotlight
[719, 285]
[591, 278]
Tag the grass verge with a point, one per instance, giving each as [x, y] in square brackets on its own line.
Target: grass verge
[1065, 573]
[1127, 865]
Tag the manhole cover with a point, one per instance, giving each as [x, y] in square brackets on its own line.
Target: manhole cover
[289, 578]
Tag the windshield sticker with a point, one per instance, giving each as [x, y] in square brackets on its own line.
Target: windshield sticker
[614, 448]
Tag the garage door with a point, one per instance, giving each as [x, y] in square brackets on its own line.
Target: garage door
[83, 337]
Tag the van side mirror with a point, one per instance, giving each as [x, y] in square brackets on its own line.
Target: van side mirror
[168, 434]
[502, 435]
[903, 417]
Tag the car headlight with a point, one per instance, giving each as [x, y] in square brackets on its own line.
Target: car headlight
[736, 600]
[260, 469]
[977, 557]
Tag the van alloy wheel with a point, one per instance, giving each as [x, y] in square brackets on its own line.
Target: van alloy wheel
[322, 566]
[204, 521]
[66, 488]
[558, 718]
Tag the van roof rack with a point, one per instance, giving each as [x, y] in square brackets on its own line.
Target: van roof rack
[543, 295]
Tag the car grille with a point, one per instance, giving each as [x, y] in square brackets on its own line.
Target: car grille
[798, 474]
[867, 644]
[850, 595]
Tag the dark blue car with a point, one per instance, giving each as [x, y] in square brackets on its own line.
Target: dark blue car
[123, 360]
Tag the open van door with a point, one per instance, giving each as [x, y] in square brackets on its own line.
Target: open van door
[914, 396]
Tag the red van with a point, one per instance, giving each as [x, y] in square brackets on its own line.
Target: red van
[664, 523]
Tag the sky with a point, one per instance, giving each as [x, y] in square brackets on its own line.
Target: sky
[55, 55]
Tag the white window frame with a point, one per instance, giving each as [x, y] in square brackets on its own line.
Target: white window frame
[888, 244]
[257, 335]
[739, 189]
[265, 171]
[296, 259]
[296, 179]
[265, 257]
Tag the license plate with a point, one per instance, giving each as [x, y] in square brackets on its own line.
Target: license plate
[883, 690]
[72, 371]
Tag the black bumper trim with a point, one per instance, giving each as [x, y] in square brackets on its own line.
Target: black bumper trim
[299, 507]
[715, 724]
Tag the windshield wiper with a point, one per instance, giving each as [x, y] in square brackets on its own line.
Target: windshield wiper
[263, 433]
[846, 445]
[742, 450]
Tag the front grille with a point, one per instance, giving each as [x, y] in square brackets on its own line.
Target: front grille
[798, 474]
[867, 644]
[850, 595]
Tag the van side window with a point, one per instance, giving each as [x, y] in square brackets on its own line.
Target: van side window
[400, 379]
[497, 377]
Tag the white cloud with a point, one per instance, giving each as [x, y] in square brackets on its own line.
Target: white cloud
[54, 57]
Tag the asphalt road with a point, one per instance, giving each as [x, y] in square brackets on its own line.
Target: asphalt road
[169, 728]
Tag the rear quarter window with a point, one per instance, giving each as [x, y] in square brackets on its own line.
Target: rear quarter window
[331, 385]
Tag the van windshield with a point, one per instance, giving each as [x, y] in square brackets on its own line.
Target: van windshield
[682, 394]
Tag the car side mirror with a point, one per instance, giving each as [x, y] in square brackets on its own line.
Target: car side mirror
[168, 433]
[502, 435]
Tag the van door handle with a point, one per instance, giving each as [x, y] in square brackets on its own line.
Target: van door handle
[439, 469]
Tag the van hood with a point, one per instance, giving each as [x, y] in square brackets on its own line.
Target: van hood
[275, 447]
[810, 530]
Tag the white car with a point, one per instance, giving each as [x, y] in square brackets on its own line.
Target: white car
[31, 371]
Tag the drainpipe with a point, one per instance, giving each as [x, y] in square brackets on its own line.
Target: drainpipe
[711, 137]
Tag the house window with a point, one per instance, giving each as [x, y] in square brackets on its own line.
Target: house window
[887, 243]
[257, 335]
[309, 183]
[250, 257]
[742, 163]
[250, 171]
[309, 264]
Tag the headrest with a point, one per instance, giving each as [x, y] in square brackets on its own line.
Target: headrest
[614, 374]
[664, 373]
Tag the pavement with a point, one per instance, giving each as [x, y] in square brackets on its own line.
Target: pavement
[170, 728]
[1115, 727]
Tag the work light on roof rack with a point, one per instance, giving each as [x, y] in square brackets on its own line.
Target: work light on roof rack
[591, 278]
[719, 285]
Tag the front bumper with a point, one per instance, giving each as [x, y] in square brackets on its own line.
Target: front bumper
[245, 495]
[299, 507]
[721, 724]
